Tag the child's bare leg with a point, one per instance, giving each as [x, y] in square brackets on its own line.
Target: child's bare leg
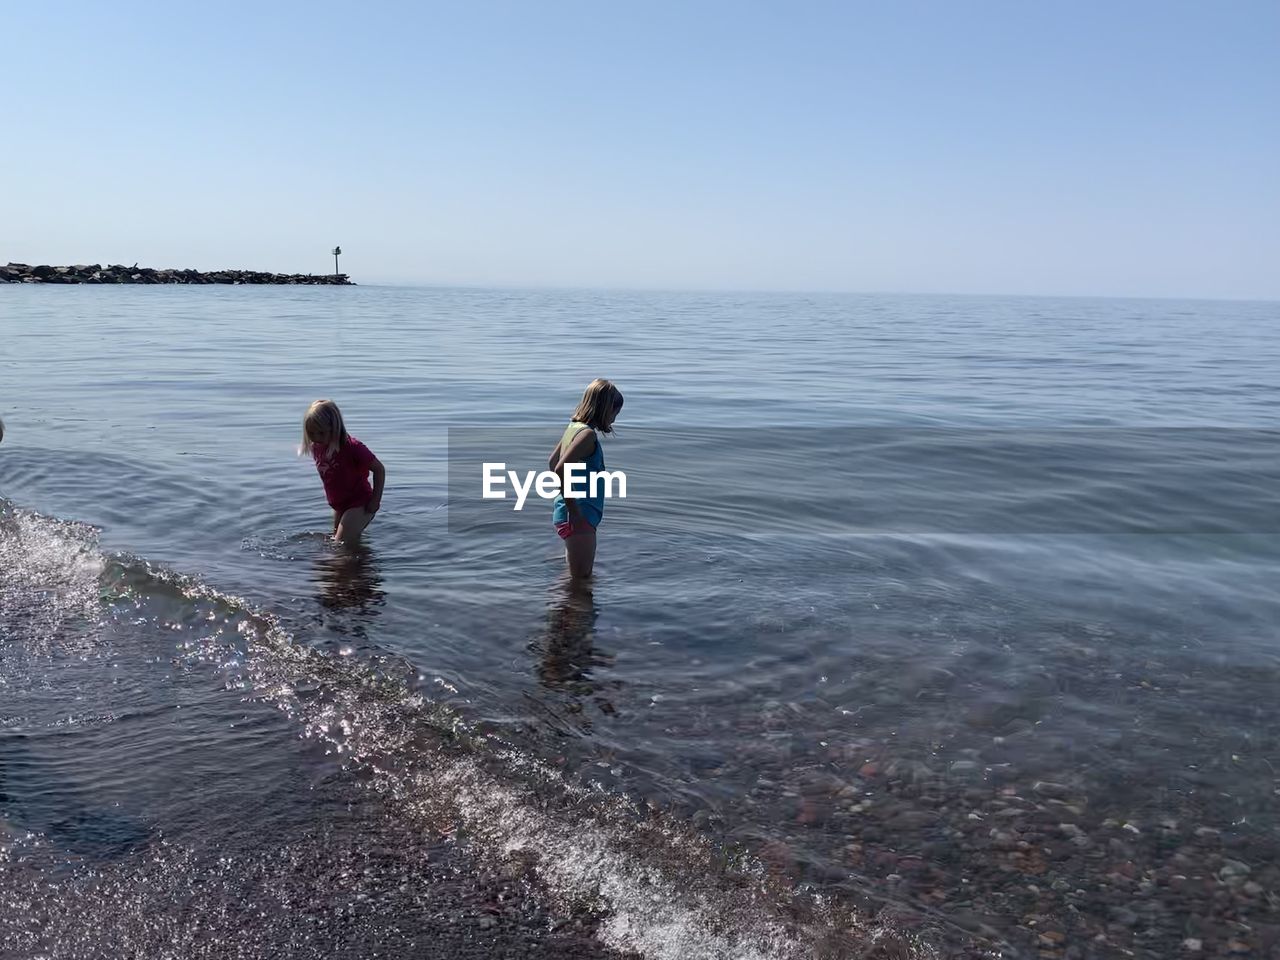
[580, 550]
[351, 524]
[337, 518]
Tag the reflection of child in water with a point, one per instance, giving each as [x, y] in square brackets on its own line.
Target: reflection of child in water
[349, 579]
[567, 649]
[568, 654]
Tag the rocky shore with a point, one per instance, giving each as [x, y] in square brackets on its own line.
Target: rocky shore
[115, 273]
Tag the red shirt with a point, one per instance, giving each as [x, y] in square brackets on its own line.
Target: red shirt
[345, 474]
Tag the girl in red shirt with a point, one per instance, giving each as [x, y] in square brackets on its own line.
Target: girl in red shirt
[344, 465]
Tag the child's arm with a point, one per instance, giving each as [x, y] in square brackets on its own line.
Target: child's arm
[581, 447]
[379, 481]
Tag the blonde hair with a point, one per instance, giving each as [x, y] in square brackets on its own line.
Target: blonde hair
[600, 403]
[324, 415]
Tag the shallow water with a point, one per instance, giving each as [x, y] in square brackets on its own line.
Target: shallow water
[959, 638]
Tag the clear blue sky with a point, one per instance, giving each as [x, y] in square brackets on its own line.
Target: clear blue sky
[1126, 148]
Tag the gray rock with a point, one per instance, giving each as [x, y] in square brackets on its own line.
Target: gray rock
[1125, 916]
[1047, 788]
[1233, 870]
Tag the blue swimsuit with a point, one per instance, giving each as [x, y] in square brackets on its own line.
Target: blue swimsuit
[592, 505]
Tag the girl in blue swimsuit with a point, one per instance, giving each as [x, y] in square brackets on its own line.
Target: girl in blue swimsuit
[577, 518]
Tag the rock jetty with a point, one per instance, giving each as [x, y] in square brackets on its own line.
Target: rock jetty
[96, 273]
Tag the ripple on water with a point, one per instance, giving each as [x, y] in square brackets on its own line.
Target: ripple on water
[641, 881]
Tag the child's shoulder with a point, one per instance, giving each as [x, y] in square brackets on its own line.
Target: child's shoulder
[353, 447]
[575, 429]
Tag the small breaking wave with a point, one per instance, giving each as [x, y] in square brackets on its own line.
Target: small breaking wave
[49, 573]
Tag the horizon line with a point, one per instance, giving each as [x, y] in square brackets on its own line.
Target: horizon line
[758, 291]
[798, 291]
